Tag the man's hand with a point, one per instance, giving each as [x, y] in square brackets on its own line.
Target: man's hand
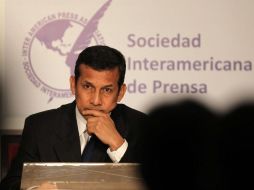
[101, 125]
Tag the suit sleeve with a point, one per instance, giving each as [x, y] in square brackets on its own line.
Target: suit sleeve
[134, 122]
[27, 153]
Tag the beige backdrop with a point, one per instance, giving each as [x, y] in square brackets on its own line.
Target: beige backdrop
[174, 49]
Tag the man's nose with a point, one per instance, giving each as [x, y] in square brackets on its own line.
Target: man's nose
[96, 98]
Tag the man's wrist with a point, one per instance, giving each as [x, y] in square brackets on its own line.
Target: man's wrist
[117, 144]
[117, 154]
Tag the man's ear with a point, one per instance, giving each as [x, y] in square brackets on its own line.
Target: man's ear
[121, 92]
[73, 84]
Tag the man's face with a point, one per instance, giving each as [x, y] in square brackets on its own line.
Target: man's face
[97, 90]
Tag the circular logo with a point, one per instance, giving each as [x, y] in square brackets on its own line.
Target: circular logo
[51, 48]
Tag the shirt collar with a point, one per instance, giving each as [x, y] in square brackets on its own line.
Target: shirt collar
[81, 122]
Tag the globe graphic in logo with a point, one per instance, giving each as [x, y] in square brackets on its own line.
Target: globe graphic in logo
[53, 51]
[52, 46]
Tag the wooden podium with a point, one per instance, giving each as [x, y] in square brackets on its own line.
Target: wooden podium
[85, 176]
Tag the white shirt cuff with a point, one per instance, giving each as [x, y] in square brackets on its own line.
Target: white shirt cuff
[116, 155]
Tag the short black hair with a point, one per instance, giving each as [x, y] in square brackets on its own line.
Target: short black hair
[101, 57]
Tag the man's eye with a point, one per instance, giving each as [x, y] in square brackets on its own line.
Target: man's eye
[86, 86]
[107, 90]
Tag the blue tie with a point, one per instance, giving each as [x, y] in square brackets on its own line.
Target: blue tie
[88, 151]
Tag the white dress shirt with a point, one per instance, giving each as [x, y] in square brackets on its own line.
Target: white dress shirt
[115, 156]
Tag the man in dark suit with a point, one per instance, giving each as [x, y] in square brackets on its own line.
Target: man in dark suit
[94, 124]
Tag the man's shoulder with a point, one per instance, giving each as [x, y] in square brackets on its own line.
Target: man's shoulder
[129, 111]
[45, 122]
[52, 112]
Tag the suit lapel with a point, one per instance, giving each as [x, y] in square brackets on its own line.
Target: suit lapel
[67, 146]
[117, 116]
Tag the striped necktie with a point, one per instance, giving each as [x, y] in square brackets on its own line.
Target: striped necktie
[88, 151]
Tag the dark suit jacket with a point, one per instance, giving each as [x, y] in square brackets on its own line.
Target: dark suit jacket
[52, 136]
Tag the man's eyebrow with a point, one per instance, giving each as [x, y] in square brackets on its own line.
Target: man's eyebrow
[108, 86]
[90, 83]
[87, 82]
